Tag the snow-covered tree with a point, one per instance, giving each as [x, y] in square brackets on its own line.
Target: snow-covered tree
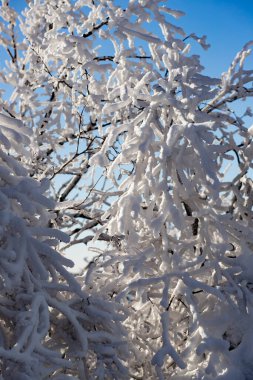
[183, 221]
[173, 195]
[50, 326]
[55, 82]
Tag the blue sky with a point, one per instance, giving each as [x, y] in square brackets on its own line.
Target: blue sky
[228, 24]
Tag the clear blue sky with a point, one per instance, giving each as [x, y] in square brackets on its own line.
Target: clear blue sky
[228, 25]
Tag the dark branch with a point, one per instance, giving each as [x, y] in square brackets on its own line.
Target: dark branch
[96, 27]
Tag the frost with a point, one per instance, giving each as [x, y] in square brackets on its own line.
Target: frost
[250, 130]
[130, 148]
[33, 276]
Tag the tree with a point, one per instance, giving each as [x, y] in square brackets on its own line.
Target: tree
[50, 326]
[186, 247]
[177, 214]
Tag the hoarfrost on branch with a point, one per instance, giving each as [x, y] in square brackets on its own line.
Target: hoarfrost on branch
[137, 148]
